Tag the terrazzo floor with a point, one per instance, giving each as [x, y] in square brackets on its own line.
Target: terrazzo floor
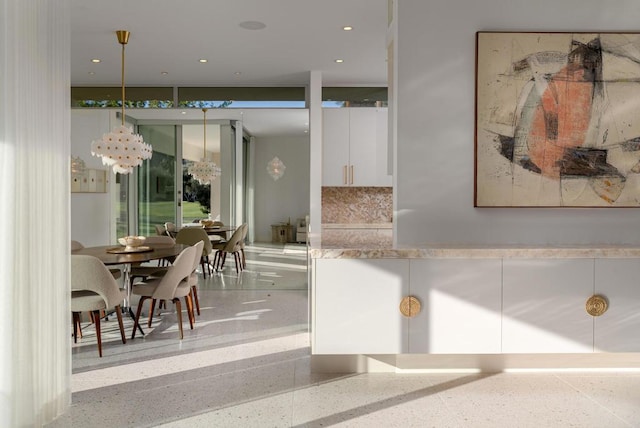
[246, 364]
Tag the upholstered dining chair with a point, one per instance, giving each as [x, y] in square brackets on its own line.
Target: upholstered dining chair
[76, 245]
[232, 245]
[171, 287]
[170, 228]
[94, 289]
[191, 236]
[193, 281]
[146, 271]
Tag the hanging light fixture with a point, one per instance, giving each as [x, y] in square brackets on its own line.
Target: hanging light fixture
[276, 168]
[121, 149]
[204, 171]
[78, 167]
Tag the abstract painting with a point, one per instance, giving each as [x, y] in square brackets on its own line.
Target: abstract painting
[557, 120]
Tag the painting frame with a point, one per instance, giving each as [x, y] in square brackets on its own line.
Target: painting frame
[555, 119]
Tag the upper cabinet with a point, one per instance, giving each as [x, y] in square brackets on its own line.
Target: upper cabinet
[355, 147]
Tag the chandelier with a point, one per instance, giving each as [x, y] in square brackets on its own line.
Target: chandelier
[204, 171]
[78, 167]
[121, 149]
[276, 168]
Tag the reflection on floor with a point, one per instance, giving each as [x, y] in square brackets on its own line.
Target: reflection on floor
[246, 364]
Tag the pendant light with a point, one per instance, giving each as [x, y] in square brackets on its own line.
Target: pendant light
[204, 171]
[121, 149]
[276, 168]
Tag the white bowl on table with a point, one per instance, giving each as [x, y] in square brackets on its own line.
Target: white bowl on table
[132, 242]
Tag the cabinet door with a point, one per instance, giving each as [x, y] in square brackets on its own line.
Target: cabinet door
[362, 147]
[618, 329]
[383, 178]
[461, 306]
[356, 306]
[544, 305]
[335, 147]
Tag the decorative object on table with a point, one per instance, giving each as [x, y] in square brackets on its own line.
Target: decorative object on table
[276, 168]
[410, 306]
[121, 149]
[205, 171]
[596, 305]
[132, 243]
[556, 120]
[206, 223]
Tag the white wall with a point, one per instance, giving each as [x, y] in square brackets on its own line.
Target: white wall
[288, 197]
[435, 124]
[90, 212]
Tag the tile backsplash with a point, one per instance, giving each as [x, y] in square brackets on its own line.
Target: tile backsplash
[360, 205]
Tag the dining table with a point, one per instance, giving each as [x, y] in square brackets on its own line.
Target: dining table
[120, 255]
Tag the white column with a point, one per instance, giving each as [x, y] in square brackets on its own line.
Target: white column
[315, 156]
[35, 322]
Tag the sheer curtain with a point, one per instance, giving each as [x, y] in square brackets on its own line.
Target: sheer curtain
[35, 324]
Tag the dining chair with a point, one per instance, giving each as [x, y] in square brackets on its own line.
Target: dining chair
[161, 230]
[191, 236]
[171, 287]
[139, 271]
[241, 244]
[232, 245]
[94, 289]
[170, 228]
[193, 282]
[77, 245]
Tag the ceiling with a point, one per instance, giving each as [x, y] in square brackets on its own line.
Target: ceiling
[168, 37]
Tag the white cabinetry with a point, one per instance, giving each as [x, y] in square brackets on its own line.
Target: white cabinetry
[355, 147]
[461, 306]
[544, 305]
[356, 306]
[618, 329]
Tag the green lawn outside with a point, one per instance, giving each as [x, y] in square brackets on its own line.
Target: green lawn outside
[161, 212]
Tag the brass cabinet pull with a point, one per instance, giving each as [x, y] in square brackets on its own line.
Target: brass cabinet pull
[596, 305]
[351, 175]
[410, 306]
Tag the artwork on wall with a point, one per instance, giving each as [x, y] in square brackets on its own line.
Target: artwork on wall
[557, 120]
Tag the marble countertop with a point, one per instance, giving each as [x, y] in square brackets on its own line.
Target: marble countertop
[475, 251]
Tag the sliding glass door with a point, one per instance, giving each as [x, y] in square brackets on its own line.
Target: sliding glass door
[158, 200]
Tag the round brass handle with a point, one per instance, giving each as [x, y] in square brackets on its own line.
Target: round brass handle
[410, 306]
[597, 305]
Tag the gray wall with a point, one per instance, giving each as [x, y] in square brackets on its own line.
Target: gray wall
[435, 129]
[288, 197]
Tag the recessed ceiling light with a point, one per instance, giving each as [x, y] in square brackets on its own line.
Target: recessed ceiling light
[347, 28]
[95, 60]
[92, 73]
[339, 61]
[252, 25]
[202, 60]
[238, 73]
[164, 73]
[306, 131]
[183, 112]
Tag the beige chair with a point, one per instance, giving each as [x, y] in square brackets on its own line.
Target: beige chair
[231, 246]
[76, 245]
[161, 230]
[144, 272]
[171, 287]
[241, 244]
[170, 229]
[191, 236]
[94, 289]
[193, 282]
